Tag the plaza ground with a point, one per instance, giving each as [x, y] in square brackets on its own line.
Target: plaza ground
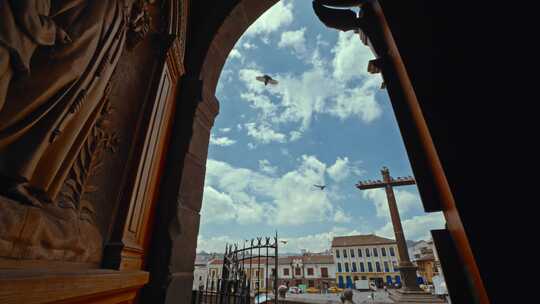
[359, 297]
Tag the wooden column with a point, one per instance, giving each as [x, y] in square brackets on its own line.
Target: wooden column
[432, 182]
[130, 238]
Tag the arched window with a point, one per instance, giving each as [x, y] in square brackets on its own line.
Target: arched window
[337, 253]
[359, 252]
[362, 269]
[354, 267]
[346, 267]
[352, 253]
[367, 252]
[339, 267]
[369, 267]
[383, 251]
[386, 267]
[378, 266]
[375, 252]
[392, 253]
[344, 253]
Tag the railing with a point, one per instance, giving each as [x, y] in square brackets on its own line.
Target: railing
[241, 279]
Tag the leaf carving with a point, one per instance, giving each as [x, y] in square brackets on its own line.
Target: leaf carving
[88, 163]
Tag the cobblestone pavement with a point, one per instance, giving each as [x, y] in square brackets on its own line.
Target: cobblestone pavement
[332, 298]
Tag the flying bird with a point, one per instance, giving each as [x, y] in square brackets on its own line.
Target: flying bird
[266, 79]
[320, 186]
[283, 241]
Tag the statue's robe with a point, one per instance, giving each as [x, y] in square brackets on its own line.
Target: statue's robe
[49, 112]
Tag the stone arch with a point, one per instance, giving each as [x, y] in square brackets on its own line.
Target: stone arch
[213, 33]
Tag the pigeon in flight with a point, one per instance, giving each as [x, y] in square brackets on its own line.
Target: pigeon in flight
[320, 186]
[266, 79]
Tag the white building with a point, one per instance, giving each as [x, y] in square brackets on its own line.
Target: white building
[311, 270]
[200, 271]
[364, 257]
[255, 270]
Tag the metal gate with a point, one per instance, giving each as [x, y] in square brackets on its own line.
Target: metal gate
[247, 275]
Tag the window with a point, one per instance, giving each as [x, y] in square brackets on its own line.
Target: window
[369, 267]
[359, 252]
[392, 253]
[362, 269]
[310, 271]
[346, 267]
[383, 251]
[297, 271]
[375, 252]
[324, 272]
[273, 272]
[339, 267]
[337, 253]
[311, 283]
[368, 254]
[352, 253]
[394, 264]
[344, 253]
[286, 271]
[354, 267]
[386, 267]
[378, 266]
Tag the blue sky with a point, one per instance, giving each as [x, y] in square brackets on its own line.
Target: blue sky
[326, 122]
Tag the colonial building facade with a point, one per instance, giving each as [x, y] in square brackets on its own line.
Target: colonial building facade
[311, 270]
[257, 270]
[364, 257]
[423, 255]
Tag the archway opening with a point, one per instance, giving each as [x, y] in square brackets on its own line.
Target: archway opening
[326, 122]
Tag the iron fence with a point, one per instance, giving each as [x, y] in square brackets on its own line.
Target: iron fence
[245, 276]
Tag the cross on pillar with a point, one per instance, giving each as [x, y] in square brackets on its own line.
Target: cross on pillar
[406, 268]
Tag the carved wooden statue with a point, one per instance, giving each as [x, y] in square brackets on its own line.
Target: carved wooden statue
[56, 60]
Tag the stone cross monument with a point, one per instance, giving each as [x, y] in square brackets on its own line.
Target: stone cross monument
[410, 290]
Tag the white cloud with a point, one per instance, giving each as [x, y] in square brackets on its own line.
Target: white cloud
[288, 199]
[359, 101]
[341, 217]
[417, 227]
[294, 40]
[279, 16]
[260, 102]
[316, 242]
[248, 46]
[266, 167]
[214, 244]
[235, 54]
[225, 130]
[221, 141]
[351, 57]
[220, 207]
[295, 135]
[264, 134]
[340, 169]
[406, 201]
[340, 88]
